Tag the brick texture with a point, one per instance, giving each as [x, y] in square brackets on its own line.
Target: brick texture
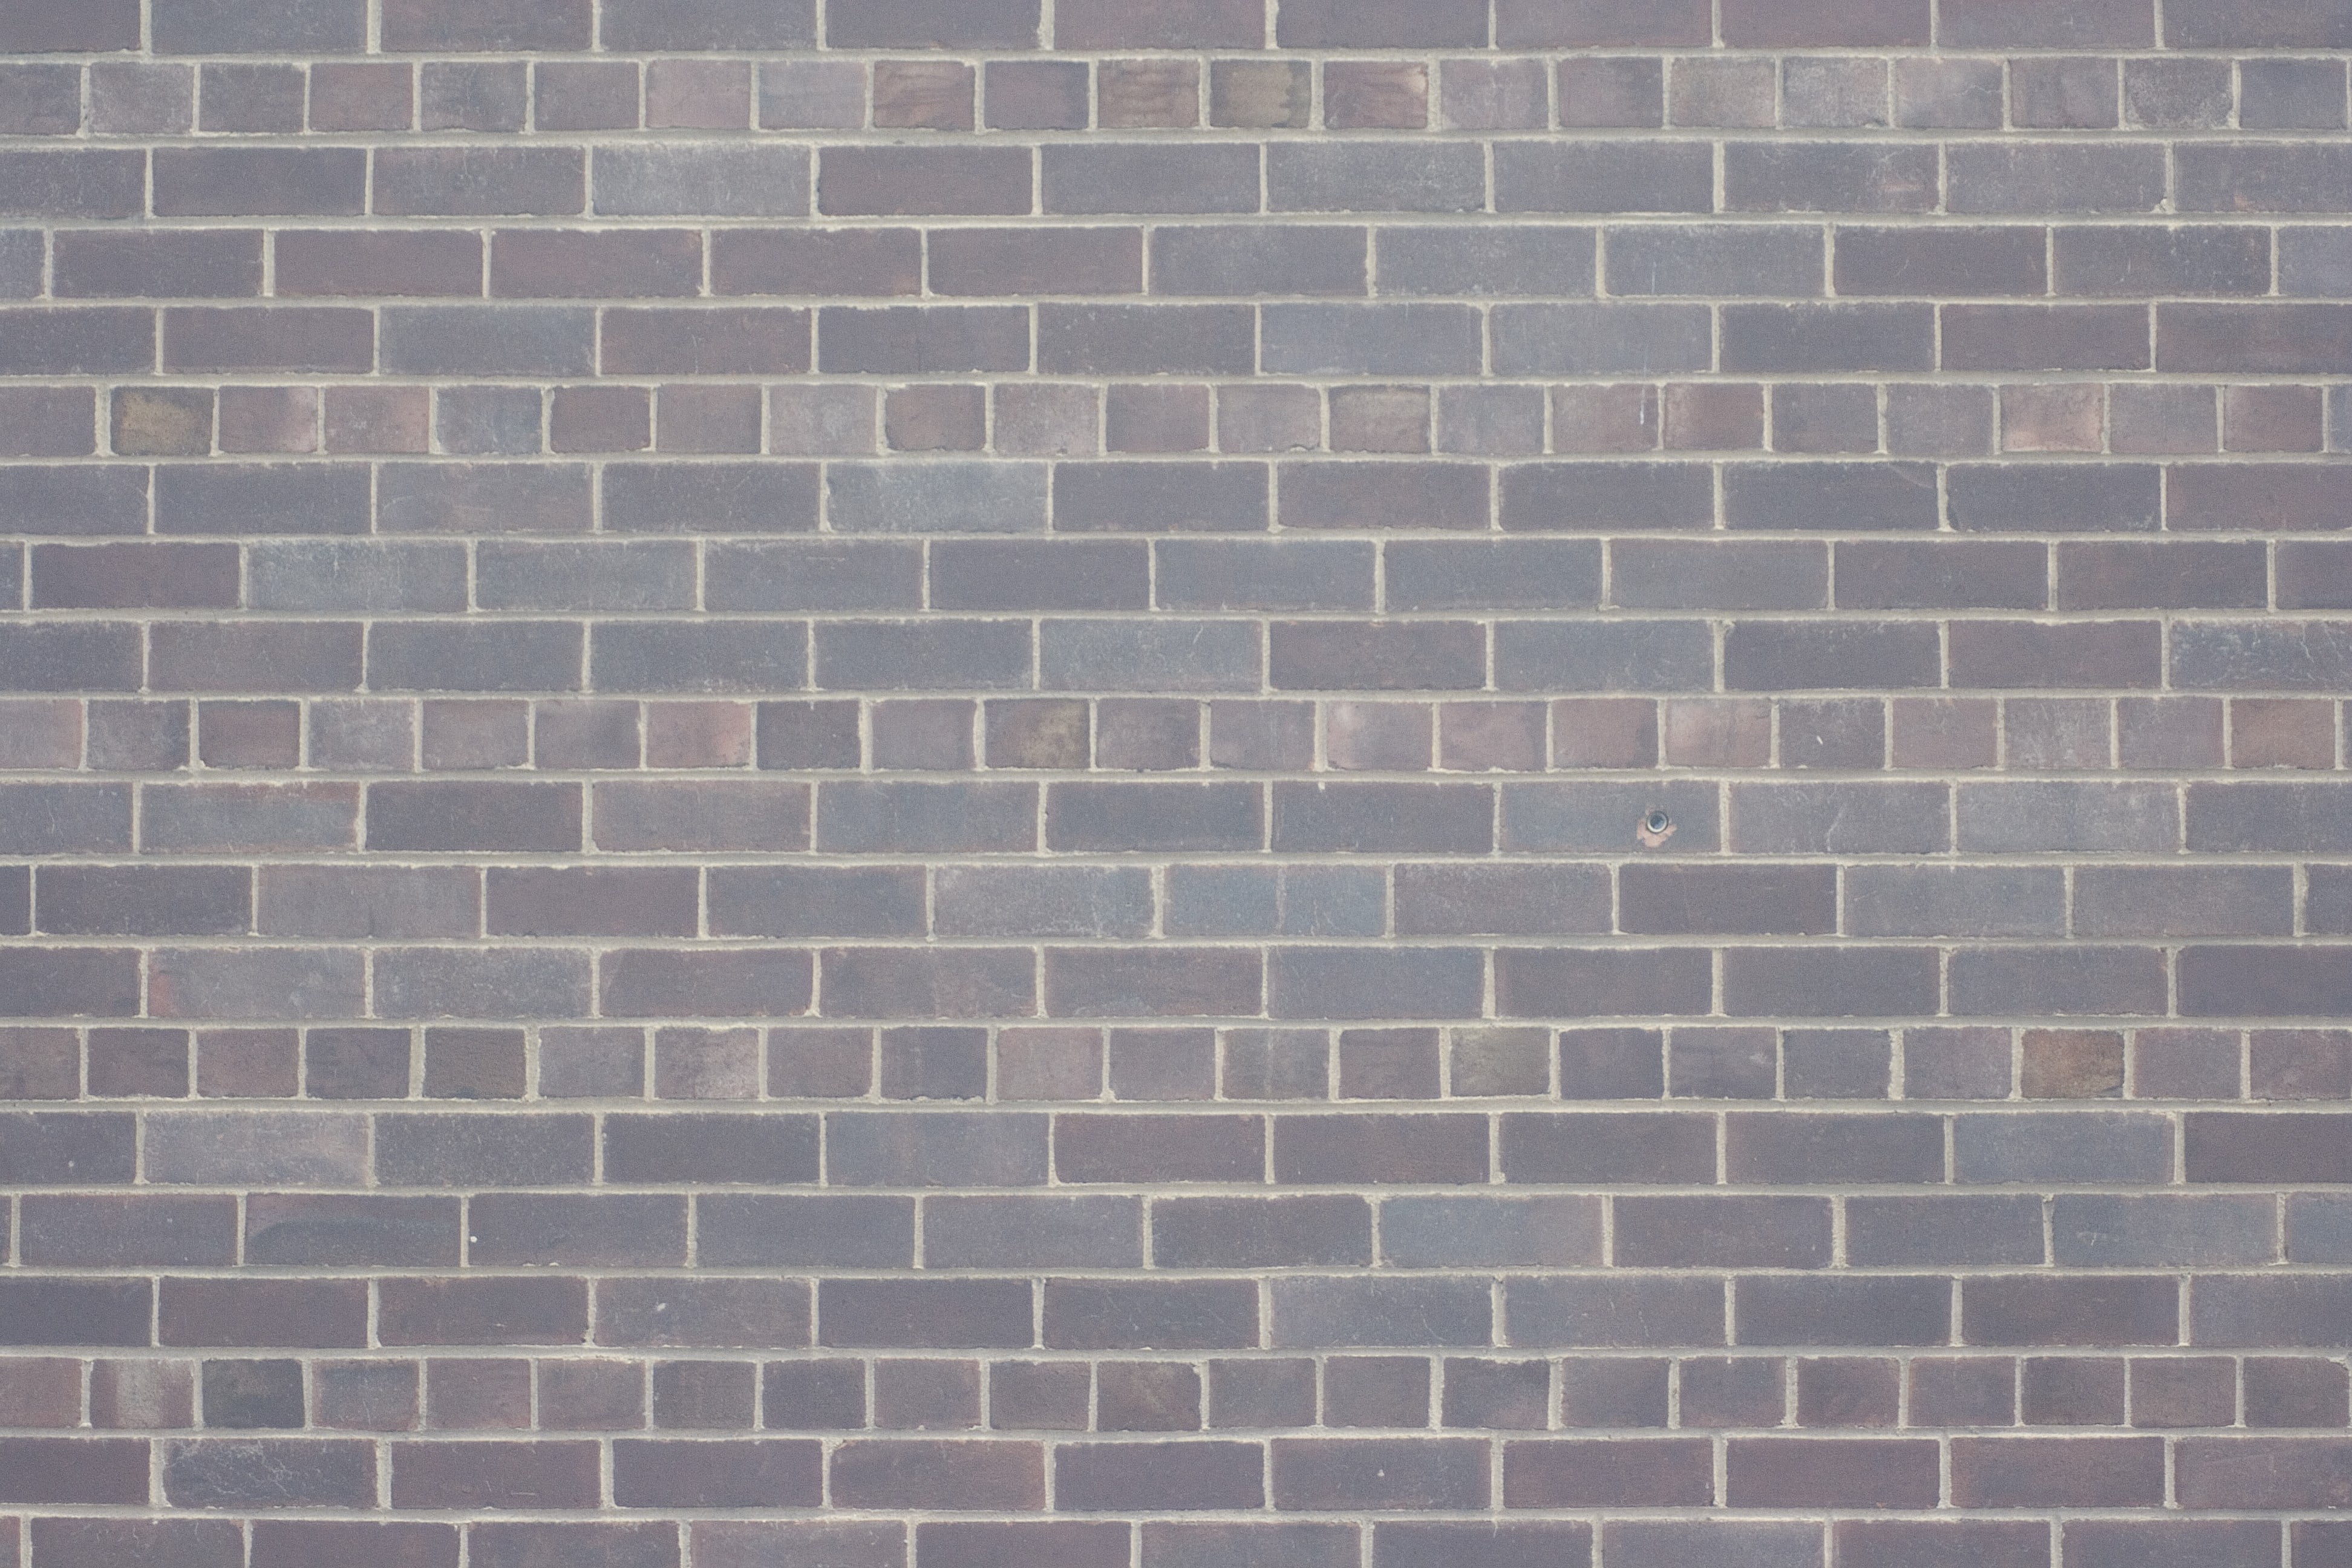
[1165, 784]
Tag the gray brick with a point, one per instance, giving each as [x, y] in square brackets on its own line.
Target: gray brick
[816, 902]
[101, 655]
[1917, 1232]
[950, 817]
[1956, 901]
[690, 656]
[2100, 1230]
[2119, 497]
[910, 655]
[1600, 340]
[1040, 901]
[717, 178]
[1237, 259]
[2058, 980]
[1673, 575]
[1002, 1232]
[78, 341]
[946, 497]
[2202, 259]
[1143, 177]
[1602, 1310]
[2291, 656]
[1166, 656]
[1454, 900]
[2009, 818]
[2077, 1146]
[652, 575]
[1463, 1231]
[1812, 338]
[1830, 176]
[1507, 574]
[1601, 655]
[1267, 575]
[1364, 983]
[1375, 1311]
[2261, 177]
[1251, 1233]
[2315, 261]
[2050, 176]
[939, 1149]
[2267, 817]
[1716, 259]
[2005, 260]
[1605, 818]
[454, 982]
[1430, 258]
[733, 497]
[812, 575]
[2183, 900]
[1710, 1544]
[798, 1230]
[1884, 1310]
[1135, 497]
[1376, 340]
[213, 819]
[1829, 982]
[514, 655]
[453, 498]
[1603, 177]
[1144, 340]
[484, 181]
[1380, 495]
[487, 339]
[1780, 656]
[1839, 818]
[1373, 177]
[1542, 497]
[355, 575]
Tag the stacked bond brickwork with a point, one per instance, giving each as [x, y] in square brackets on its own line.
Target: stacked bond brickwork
[1175, 784]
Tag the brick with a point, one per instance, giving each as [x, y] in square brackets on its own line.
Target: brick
[187, 265]
[556, 263]
[1196, 1475]
[1063, 1543]
[487, 340]
[1362, 1473]
[2024, 1471]
[674, 1474]
[1324, 24]
[1538, 496]
[424, 25]
[1381, 1313]
[815, 1395]
[1341, 177]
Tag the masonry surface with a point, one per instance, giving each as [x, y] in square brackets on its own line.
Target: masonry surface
[1166, 783]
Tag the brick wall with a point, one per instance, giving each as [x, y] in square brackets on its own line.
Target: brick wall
[1162, 784]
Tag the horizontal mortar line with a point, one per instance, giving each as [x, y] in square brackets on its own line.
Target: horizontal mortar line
[1506, 1274]
[733, 858]
[1123, 137]
[588, 617]
[1239, 52]
[811, 221]
[1499, 943]
[1242, 1105]
[1165, 1191]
